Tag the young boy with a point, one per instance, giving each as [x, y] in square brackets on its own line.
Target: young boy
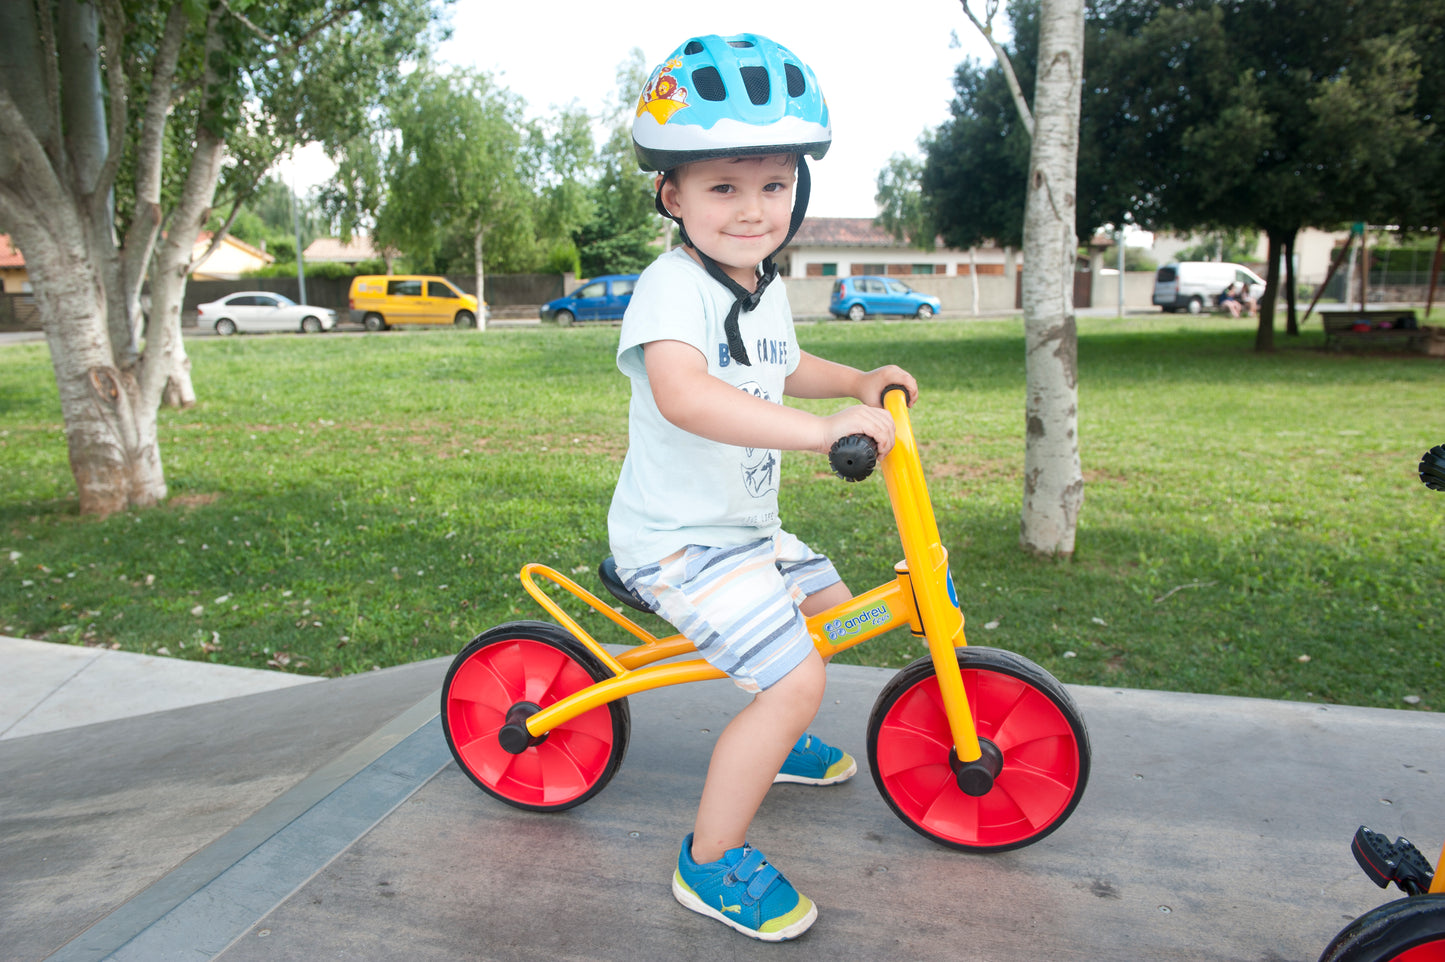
[709, 345]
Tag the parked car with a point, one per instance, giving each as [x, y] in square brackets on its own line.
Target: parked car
[857, 297]
[600, 299]
[1195, 285]
[380, 301]
[249, 311]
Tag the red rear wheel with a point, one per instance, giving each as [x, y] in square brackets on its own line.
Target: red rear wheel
[1406, 930]
[1022, 710]
[537, 663]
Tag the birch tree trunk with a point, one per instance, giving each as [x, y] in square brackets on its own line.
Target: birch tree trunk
[478, 252]
[1053, 477]
[61, 137]
[973, 276]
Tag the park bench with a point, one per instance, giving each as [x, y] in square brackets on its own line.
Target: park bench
[1373, 328]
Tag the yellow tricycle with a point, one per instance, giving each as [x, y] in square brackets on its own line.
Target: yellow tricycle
[975, 748]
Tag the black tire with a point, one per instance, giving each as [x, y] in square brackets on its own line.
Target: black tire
[1022, 710]
[1196, 305]
[1407, 930]
[531, 663]
[566, 318]
[465, 319]
[925, 311]
[374, 322]
[225, 327]
[310, 325]
[856, 313]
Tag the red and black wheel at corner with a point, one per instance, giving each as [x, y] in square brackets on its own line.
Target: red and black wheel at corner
[1406, 930]
[537, 663]
[1019, 709]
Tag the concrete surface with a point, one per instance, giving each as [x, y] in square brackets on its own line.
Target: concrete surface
[49, 687]
[328, 821]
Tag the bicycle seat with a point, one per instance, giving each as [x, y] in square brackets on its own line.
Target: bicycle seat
[607, 571]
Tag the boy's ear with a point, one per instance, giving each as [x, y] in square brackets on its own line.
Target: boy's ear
[667, 191]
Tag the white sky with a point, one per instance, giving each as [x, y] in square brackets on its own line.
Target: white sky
[887, 71]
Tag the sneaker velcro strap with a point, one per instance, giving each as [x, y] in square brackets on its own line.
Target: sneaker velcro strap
[755, 870]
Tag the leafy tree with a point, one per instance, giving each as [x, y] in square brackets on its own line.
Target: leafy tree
[621, 237]
[1268, 114]
[1233, 246]
[121, 117]
[975, 169]
[456, 170]
[902, 209]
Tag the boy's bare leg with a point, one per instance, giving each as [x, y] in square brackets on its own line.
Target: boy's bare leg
[749, 753]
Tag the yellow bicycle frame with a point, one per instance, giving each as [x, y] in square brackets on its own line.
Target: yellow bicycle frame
[920, 596]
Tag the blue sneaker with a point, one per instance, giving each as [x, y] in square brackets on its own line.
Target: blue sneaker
[814, 762]
[743, 891]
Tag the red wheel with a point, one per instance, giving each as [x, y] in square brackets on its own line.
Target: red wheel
[1018, 707]
[1406, 930]
[537, 663]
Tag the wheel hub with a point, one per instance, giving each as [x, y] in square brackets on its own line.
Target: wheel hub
[513, 735]
[976, 778]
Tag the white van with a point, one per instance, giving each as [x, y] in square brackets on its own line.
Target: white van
[1194, 286]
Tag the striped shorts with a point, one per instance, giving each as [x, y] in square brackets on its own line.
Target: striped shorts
[739, 605]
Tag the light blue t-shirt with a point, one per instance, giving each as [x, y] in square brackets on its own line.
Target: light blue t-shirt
[677, 488]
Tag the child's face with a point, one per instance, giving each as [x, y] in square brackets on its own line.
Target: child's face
[736, 210]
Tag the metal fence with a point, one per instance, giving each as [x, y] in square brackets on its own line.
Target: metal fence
[18, 311]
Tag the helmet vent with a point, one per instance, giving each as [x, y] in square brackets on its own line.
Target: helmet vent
[797, 86]
[756, 80]
[740, 43]
[693, 49]
[708, 84]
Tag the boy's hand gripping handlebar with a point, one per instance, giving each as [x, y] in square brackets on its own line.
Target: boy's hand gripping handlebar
[854, 457]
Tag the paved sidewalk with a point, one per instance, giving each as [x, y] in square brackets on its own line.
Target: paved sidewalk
[327, 820]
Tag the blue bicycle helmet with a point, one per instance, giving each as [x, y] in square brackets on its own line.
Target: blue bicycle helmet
[729, 97]
[732, 97]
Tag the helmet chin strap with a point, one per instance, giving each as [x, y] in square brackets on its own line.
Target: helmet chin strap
[743, 299]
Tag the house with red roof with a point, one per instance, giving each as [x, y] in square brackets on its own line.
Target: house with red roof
[14, 279]
[849, 246]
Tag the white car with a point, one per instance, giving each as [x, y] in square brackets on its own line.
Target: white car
[263, 311]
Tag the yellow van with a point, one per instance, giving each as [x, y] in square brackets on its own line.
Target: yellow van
[380, 301]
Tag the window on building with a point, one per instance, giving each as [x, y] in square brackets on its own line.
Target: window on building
[869, 269]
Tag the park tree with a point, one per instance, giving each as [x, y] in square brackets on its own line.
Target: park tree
[118, 121]
[621, 237]
[456, 167]
[1273, 115]
[1053, 474]
[453, 173]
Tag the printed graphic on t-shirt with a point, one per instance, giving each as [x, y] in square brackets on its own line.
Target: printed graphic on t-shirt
[759, 465]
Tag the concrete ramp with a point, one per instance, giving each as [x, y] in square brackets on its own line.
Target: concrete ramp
[1212, 829]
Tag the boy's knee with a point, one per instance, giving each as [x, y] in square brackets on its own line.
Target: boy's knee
[805, 684]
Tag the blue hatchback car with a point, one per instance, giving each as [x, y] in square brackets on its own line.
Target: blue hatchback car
[857, 297]
[600, 299]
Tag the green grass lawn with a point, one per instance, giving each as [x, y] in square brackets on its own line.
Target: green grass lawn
[1252, 524]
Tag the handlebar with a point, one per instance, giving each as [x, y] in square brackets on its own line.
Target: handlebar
[854, 457]
[1432, 468]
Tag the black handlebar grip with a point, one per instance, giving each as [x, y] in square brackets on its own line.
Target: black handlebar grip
[1432, 468]
[907, 400]
[853, 457]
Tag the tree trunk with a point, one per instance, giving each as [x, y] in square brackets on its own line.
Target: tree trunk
[973, 276]
[1264, 332]
[1291, 324]
[481, 276]
[1053, 475]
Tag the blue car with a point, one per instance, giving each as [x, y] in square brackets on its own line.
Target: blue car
[857, 297]
[600, 299]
